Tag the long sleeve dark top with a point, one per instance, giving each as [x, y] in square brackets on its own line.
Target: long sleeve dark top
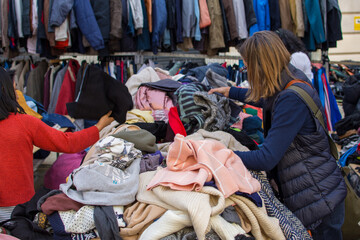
[290, 117]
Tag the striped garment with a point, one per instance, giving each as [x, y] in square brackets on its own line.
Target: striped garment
[5, 213]
[289, 223]
[190, 113]
[198, 110]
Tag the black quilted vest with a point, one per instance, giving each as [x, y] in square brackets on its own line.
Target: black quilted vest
[310, 179]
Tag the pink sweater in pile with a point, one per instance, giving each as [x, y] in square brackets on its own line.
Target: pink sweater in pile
[191, 163]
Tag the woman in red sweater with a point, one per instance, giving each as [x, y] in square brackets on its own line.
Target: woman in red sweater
[18, 133]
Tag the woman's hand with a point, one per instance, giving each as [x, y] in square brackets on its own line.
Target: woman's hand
[223, 90]
[104, 121]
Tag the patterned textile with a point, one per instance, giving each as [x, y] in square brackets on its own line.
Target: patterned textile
[81, 221]
[289, 223]
[116, 151]
[217, 111]
[190, 113]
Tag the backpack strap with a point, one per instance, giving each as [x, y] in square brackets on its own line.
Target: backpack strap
[315, 111]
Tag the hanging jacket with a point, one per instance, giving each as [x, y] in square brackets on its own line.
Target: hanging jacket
[316, 34]
[99, 93]
[159, 23]
[87, 23]
[231, 18]
[67, 90]
[101, 11]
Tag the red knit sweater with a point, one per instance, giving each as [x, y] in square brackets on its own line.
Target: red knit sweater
[18, 134]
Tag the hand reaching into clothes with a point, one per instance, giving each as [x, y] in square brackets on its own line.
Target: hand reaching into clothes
[104, 121]
[223, 90]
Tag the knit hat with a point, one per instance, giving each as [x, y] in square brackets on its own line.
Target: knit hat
[143, 140]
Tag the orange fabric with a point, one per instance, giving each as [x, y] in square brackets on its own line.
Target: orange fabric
[205, 20]
[22, 102]
[149, 12]
[18, 134]
[191, 163]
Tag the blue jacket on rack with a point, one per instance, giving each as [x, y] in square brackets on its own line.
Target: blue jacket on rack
[85, 19]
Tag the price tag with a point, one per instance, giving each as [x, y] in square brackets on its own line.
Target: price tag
[357, 23]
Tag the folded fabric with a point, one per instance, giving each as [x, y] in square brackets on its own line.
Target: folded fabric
[262, 226]
[93, 153]
[225, 138]
[61, 168]
[215, 80]
[80, 221]
[106, 223]
[142, 139]
[150, 162]
[117, 152]
[138, 217]
[59, 202]
[198, 205]
[192, 163]
[102, 184]
[173, 221]
[137, 115]
[53, 118]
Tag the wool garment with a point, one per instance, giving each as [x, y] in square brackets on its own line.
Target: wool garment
[262, 226]
[59, 202]
[150, 162]
[225, 138]
[289, 223]
[173, 221]
[191, 163]
[16, 136]
[106, 223]
[215, 80]
[197, 204]
[142, 139]
[138, 217]
[216, 111]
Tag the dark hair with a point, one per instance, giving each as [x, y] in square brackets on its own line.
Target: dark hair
[291, 41]
[8, 103]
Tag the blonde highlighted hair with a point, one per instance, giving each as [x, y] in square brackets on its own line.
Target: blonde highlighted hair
[266, 57]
